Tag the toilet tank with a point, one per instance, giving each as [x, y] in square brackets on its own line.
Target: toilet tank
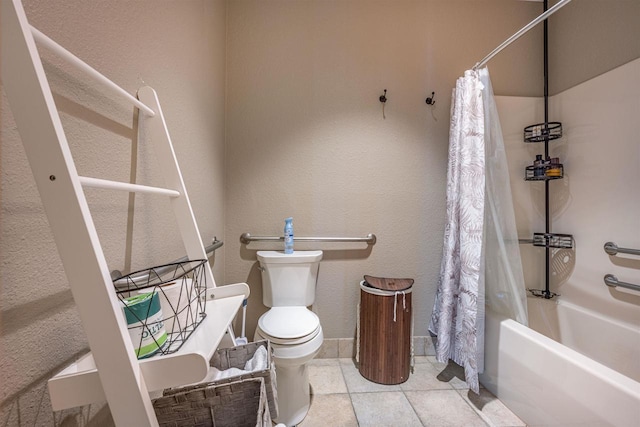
[289, 279]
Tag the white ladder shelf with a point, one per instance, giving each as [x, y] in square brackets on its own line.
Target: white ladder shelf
[111, 371]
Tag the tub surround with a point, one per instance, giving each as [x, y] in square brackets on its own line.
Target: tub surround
[592, 204]
[598, 385]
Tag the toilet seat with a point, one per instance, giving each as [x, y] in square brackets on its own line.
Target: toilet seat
[294, 352]
[289, 325]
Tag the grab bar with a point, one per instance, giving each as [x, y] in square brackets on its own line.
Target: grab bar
[612, 249]
[612, 281]
[370, 239]
[117, 274]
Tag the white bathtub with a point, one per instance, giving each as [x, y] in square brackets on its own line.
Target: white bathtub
[549, 384]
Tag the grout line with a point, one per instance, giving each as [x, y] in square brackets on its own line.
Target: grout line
[344, 378]
[460, 392]
[412, 407]
[483, 416]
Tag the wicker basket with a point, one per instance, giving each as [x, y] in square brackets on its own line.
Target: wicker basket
[236, 357]
[236, 404]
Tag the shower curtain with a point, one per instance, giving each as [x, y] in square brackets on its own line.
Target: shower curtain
[505, 289]
[481, 258]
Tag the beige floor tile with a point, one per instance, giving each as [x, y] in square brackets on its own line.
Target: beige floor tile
[437, 364]
[491, 409]
[326, 378]
[356, 383]
[443, 408]
[425, 377]
[434, 395]
[384, 409]
[421, 359]
[450, 372]
[330, 410]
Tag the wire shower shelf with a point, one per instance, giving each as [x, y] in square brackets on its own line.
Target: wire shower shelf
[543, 132]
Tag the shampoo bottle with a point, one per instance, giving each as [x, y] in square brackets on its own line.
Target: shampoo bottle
[288, 235]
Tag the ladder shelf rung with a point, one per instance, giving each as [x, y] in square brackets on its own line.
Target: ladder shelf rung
[125, 186]
[79, 383]
[63, 53]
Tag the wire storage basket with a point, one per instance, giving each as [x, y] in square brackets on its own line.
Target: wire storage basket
[543, 132]
[163, 305]
[553, 240]
[545, 172]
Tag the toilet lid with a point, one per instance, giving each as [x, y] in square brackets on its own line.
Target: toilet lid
[289, 322]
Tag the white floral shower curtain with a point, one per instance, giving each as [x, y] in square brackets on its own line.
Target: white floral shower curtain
[474, 229]
[455, 313]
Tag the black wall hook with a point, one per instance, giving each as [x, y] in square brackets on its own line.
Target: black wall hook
[432, 99]
[383, 98]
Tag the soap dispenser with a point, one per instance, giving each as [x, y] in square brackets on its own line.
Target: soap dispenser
[288, 235]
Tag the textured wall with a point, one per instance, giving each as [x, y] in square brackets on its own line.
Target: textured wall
[306, 135]
[178, 48]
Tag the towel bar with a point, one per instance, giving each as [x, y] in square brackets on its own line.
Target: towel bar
[612, 281]
[247, 238]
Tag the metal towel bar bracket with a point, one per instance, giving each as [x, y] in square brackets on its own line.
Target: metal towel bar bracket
[247, 238]
[613, 249]
[612, 281]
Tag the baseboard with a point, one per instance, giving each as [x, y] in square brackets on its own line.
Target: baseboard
[333, 348]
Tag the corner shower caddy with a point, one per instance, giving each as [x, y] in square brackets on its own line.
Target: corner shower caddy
[110, 371]
[546, 169]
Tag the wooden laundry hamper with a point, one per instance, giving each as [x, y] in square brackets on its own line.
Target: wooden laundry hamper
[385, 330]
[236, 404]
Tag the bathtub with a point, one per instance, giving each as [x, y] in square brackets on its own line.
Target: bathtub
[547, 383]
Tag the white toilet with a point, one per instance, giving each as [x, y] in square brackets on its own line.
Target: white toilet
[288, 288]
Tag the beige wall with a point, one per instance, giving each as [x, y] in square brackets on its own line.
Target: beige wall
[306, 135]
[590, 37]
[178, 48]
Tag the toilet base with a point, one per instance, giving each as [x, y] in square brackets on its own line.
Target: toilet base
[292, 377]
[294, 395]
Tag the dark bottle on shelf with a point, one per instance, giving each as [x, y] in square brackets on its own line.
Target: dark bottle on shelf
[538, 164]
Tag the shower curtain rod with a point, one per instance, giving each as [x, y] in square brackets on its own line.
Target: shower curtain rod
[520, 33]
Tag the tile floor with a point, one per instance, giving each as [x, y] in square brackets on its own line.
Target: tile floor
[434, 395]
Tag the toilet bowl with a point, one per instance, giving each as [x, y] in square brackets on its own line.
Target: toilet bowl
[292, 328]
[292, 373]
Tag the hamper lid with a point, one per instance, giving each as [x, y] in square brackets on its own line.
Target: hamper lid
[388, 284]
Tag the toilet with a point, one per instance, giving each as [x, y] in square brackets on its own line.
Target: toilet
[288, 289]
